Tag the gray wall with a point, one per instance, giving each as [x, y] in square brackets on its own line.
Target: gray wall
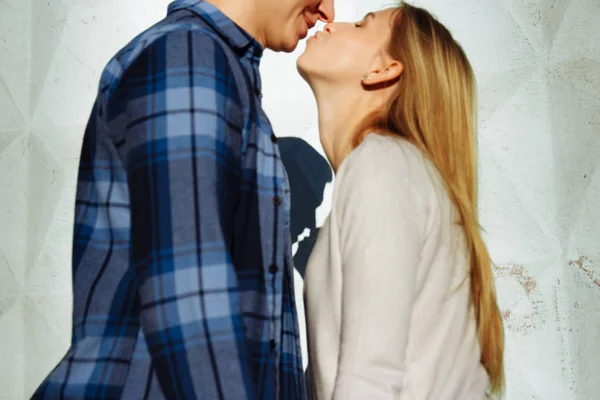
[538, 66]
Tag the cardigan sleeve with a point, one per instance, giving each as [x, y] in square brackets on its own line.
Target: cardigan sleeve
[381, 220]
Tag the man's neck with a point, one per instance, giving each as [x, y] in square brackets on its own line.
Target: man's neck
[245, 13]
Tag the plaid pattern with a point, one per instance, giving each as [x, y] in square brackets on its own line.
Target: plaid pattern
[182, 271]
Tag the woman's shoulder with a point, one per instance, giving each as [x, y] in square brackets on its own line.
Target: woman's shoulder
[392, 165]
[385, 156]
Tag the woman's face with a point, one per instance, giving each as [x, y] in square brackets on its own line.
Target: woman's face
[346, 52]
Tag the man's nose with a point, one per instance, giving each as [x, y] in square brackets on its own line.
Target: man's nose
[326, 12]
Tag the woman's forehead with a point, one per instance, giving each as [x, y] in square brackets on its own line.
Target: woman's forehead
[383, 18]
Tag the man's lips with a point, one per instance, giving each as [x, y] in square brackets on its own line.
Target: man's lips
[309, 24]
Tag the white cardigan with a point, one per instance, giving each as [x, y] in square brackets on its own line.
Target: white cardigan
[386, 287]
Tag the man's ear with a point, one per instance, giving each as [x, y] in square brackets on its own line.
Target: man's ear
[379, 77]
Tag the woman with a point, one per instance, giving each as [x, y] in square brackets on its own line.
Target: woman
[400, 299]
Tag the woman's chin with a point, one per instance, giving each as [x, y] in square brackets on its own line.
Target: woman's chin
[303, 68]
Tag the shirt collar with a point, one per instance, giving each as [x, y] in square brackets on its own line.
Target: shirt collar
[237, 38]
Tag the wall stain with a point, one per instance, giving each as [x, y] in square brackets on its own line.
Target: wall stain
[561, 330]
[522, 322]
[584, 265]
[519, 273]
[556, 291]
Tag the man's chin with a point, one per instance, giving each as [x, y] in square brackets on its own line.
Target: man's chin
[285, 46]
[288, 47]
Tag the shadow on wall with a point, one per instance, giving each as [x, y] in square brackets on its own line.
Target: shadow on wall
[308, 173]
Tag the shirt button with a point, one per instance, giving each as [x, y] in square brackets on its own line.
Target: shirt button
[273, 268]
[273, 138]
[257, 91]
[277, 200]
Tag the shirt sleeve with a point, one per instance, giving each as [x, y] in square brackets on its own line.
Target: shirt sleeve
[380, 245]
[182, 122]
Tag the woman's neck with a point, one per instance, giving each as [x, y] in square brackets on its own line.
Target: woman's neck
[340, 113]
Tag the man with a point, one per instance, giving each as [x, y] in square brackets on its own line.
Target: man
[182, 271]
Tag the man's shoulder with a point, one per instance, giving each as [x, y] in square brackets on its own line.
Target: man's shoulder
[174, 30]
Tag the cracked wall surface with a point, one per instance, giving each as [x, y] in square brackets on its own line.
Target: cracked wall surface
[538, 69]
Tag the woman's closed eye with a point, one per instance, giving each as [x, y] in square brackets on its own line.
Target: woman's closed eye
[362, 22]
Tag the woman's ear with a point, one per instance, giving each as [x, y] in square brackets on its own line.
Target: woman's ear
[379, 77]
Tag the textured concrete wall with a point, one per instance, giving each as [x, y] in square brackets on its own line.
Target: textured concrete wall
[538, 66]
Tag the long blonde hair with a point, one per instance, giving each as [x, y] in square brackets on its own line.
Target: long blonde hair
[433, 106]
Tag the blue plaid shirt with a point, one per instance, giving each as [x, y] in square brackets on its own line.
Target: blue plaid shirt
[182, 271]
